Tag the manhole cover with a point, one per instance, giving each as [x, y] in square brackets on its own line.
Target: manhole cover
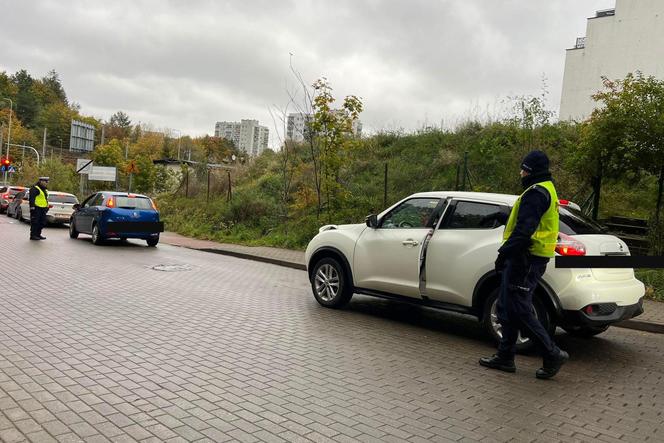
[171, 268]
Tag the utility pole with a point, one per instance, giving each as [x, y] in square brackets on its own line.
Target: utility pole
[44, 145]
[9, 130]
[230, 192]
[1, 140]
[385, 188]
[208, 184]
[179, 141]
[465, 170]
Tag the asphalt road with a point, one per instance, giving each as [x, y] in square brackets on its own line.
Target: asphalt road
[124, 342]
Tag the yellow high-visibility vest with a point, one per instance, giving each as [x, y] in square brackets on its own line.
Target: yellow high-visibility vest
[545, 237]
[41, 200]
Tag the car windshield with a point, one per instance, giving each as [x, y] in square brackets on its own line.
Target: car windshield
[575, 222]
[124, 202]
[59, 198]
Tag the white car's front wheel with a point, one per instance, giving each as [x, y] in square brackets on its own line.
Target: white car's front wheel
[494, 328]
[330, 283]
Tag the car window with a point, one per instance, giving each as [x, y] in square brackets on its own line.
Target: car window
[475, 215]
[59, 198]
[91, 201]
[14, 191]
[413, 213]
[98, 201]
[123, 202]
[574, 222]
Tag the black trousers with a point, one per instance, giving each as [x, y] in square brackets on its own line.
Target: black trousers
[37, 221]
[515, 307]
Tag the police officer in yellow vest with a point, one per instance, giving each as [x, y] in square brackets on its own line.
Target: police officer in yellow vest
[38, 200]
[529, 243]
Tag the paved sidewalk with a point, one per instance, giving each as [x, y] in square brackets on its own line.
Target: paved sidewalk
[652, 320]
[277, 256]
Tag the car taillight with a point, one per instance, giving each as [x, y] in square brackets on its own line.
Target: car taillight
[567, 245]
[110, 203]
[154, 206]
[50, 206]
[563, 202]
[5, 195]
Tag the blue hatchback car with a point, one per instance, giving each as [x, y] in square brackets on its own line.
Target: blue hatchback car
[120, 215]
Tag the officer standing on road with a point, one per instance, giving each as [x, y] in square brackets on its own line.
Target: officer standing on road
[529, 242]
[38, 208]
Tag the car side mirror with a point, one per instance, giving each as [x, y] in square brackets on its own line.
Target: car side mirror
[76, 207]
[372, 221]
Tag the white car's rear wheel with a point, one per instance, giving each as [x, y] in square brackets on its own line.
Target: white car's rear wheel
[330, 283]
[494, 328]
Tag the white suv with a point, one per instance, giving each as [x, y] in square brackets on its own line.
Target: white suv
[438, 249]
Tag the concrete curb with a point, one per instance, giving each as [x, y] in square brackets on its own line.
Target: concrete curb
[260, 258]
[637, 325]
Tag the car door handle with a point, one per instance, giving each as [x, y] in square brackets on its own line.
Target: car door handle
[410, 242]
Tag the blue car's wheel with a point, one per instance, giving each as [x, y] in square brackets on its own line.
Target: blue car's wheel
[96, 235]
[73, 233]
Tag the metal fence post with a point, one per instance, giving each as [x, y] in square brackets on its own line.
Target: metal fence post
[385, 187]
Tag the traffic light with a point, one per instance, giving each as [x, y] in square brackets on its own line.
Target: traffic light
[5, 164]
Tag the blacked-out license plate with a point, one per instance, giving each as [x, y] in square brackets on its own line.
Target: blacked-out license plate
[135, 226]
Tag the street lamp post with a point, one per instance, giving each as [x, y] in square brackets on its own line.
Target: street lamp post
[29, 147]
[9, 129]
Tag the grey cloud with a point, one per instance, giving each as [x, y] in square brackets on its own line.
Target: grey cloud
[188, 64]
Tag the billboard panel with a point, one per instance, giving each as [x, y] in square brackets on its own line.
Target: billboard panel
[82, 136]
[102, 173]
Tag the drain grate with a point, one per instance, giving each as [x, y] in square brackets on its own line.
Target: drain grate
[171, 268]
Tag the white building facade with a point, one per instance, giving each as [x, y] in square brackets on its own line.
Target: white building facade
[618, 41]
[297, 126]
[246, 135]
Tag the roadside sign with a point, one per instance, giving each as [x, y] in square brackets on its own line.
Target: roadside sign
[83, 165]
[102, 173]
[132, 168]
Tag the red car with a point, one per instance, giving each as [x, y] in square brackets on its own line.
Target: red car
[7, 194]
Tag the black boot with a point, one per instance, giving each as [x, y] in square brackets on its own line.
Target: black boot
[552, 365]
[497, 362]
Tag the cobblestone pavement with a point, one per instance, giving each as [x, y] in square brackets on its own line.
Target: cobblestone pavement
[651, 320]
[99, 346]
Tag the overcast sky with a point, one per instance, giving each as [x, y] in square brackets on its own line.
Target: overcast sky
[188, 64]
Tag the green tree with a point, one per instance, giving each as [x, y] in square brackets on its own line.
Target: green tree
[56, 117]
[26, 101]
[119, 126]
[109, 154]
[331, 141]
[144, 179]
[626, 133]
[53, 85]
